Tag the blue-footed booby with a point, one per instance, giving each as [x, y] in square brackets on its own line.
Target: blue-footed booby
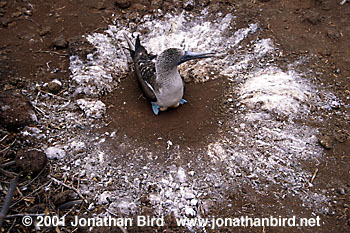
[158, 76]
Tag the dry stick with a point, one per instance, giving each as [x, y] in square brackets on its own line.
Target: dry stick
[70, 187]
[36, 190]
[8, 199]
[314, 176]
[8, 174]
[7, 164]
[25, 214]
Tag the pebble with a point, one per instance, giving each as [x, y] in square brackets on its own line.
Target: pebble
[15, 110]
[31, 161]
[3, 4]
[91, 108]
[203, 3]
[194, 202]
[190, 212]
[64, 197]
[341, 191]
[188, 5]
[60, 42]
[54, 86]
[44, 30]
[325, 142]
[189, 196]
[104, 198]
[77, 146]
[335, 105]
[181, 175]
[16, 14]
[55, 153]
[122, 4]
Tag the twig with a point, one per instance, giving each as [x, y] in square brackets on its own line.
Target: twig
[70, 187]
[36, 190]
[7, 173]
[8, 199]
[8, 147]
[53, 52]
[38, 109]
[2, 139]
[8, 164]
[314, 176]
[24, 214]
[10, 229]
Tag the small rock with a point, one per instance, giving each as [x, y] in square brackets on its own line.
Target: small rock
[77, 146]
[81, 47]
[158, 4]
[145, 200]
[44, 30]
[181, 175]
[147, 211]
[122, 4]
[16, 14]
[5, 21]
[15, 110]
[60, 42]
[194, 202]
[101, 6]
[139, 7]
[104, 198]
[312, 17]
[341, 191]
[3, 4]
[92, 108]
[333, 33]
[189, 196]
[325, 141]
[335, 105]
[54, 86]
[188, 5]
[55, 153]
[189, 212]
[203, 3]
[63, 197]
[341, 136]
[31, 161]
[28, 12]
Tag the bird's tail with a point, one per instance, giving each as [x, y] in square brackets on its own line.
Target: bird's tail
[133, 48]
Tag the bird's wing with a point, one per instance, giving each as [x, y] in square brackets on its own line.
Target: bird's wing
[145, 71]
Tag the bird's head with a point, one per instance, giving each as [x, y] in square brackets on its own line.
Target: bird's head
[170, 58]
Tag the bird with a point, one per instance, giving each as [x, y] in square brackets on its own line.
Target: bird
[158, 76]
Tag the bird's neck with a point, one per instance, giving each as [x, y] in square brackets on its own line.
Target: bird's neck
[171, 74]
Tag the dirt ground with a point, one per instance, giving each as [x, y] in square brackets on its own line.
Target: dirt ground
[37, 38]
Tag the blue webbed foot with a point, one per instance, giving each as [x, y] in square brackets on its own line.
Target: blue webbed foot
[183, 101]
[155, 108]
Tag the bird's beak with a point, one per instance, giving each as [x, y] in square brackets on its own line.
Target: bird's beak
[192, 55]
